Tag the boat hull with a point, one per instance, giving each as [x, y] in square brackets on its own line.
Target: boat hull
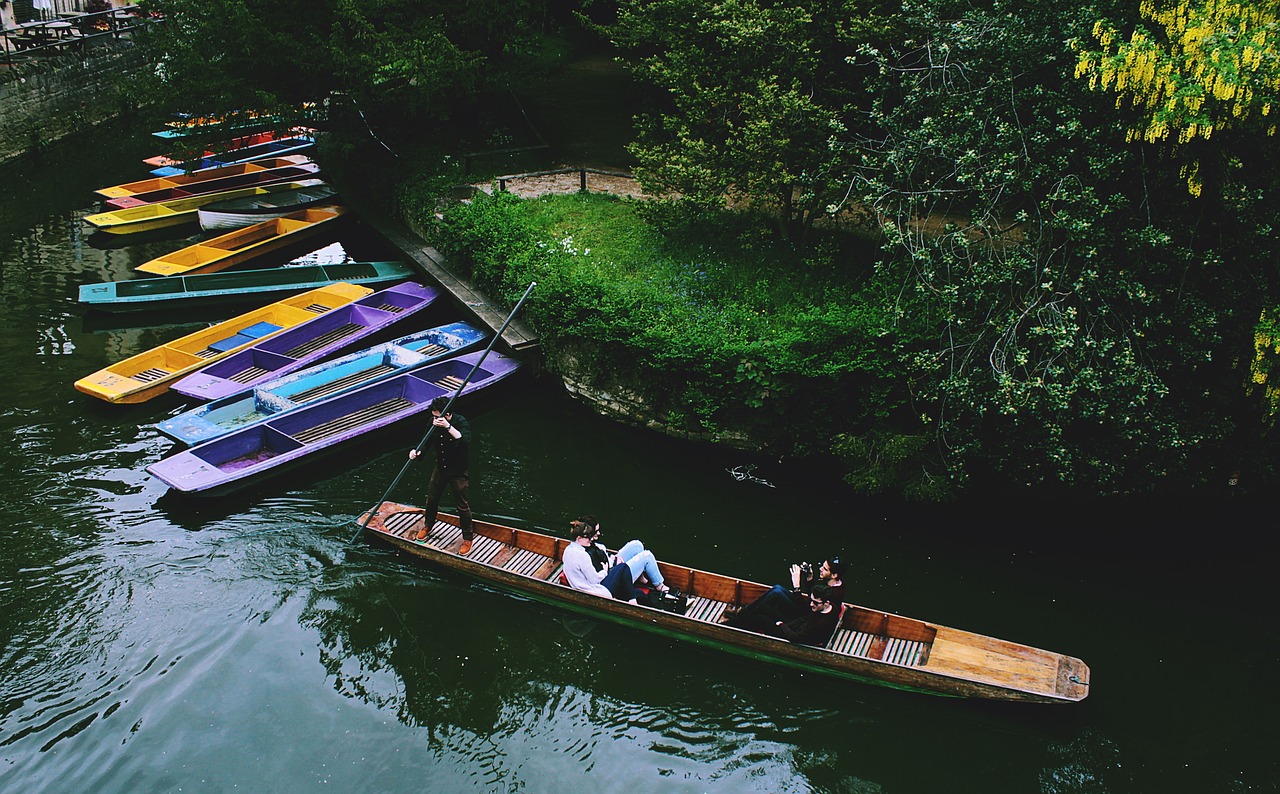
[176, 292]
[279, 443]
[149, 374]
[321, 381]
[238, 213]
[239, 246]
[527, 563]
[309, 342]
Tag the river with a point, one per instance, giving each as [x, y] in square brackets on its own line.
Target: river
[152, 643]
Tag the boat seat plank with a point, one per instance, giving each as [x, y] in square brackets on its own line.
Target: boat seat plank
[548, 564]
[391, 307]
[312, 345]
[354, 419]
[208, 352]
[433, 350]
[342, 383]
[852, 643]
[449, 383]
[248, 374]
[483, 550]
[705, 609]
[148, 375]
[318, 308]
[503, 556]
[401, 524]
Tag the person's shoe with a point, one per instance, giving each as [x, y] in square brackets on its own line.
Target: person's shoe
[729, 614]
[465, 548]
[422, 535]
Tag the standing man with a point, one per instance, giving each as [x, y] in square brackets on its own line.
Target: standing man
[451, 439]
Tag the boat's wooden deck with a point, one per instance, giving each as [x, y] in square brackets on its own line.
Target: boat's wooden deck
[341, 424]
[338, 385]
[316, 343]
[448, 538]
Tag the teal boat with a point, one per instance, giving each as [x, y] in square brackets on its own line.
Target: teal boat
[233, 286]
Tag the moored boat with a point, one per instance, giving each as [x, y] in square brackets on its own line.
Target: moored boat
[247, 210]
[180, 180]
[321, 381]
[175, 212]
[240, 142]
[309, 342]
[869, 645]
[146, 375]
[276, 444]
[292, 172]
[297, 144]
[241, 245]
[171, 292]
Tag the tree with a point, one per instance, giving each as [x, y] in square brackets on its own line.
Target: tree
[1079, 324]
[1210, 66]
[755, 92]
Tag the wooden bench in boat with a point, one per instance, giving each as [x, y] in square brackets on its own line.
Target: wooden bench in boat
[863, 633]
[340, 424]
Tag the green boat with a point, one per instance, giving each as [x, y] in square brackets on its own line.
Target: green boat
[233, 286]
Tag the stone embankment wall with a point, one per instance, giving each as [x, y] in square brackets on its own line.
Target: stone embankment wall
[52, 97]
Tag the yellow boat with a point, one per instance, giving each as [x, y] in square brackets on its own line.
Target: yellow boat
[232, 248]
[203, 175]
[146, 375]
[174, 212]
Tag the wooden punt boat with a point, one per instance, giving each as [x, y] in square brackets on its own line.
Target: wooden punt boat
[240, 142]
[320, 381]
[247, 210]
[307, 343]
[139, 378]
[278, 443]
[180, 180]
[164, 214]
[171, 292]
[293, 172]
[241, 245]
[184, 125]
[297, 144]
[870, 645]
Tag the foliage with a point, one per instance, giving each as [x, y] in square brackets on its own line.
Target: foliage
[721, 338]
[756, 91]
[1211, 65]
[1264, 369]
[1015, 217]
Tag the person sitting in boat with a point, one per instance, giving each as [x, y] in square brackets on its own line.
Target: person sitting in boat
[781, 604]
[633, 554]
[816, 625]
[581, 572]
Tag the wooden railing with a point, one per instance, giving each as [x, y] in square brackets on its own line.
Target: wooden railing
[67, 32]
[581, 172]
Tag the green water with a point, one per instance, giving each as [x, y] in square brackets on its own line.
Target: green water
[152, 643]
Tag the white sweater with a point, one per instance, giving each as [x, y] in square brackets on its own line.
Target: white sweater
[582, 575]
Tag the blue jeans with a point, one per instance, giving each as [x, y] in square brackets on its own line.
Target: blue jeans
[618, 580]
[640, 561]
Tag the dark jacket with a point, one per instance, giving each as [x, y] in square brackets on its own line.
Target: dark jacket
[811, 628]
[452, 455]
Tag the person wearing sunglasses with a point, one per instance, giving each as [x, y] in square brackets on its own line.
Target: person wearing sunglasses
[780, 604]
[814, 626]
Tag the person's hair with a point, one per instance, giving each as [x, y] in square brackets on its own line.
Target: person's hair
[439, 404]
[837, 566]
[581, 529]
[822, 592]
[587, 518]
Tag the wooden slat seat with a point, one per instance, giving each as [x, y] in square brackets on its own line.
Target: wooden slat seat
[705, 609]
[208, 352]
[903, 652]
[312, 345]
[339, 424]
[852, 643]
[526, 562]
[433, 350]
[318, 308]
[400, 524]
[449, 383]
[148, 375]
[342, 383]
[391, 307]
[248, 374]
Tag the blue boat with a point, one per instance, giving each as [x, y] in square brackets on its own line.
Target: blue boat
[277, 148]
[205, 289]
[318, 382]
[282, 442]
[308, 343]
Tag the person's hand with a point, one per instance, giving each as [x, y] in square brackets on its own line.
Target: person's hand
[795, 576]
[440, 422]
[413, 454]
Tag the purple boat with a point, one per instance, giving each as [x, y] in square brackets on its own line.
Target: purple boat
[275, 444]
[307, 343]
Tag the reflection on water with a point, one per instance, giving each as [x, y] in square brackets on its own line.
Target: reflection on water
[154, 643]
